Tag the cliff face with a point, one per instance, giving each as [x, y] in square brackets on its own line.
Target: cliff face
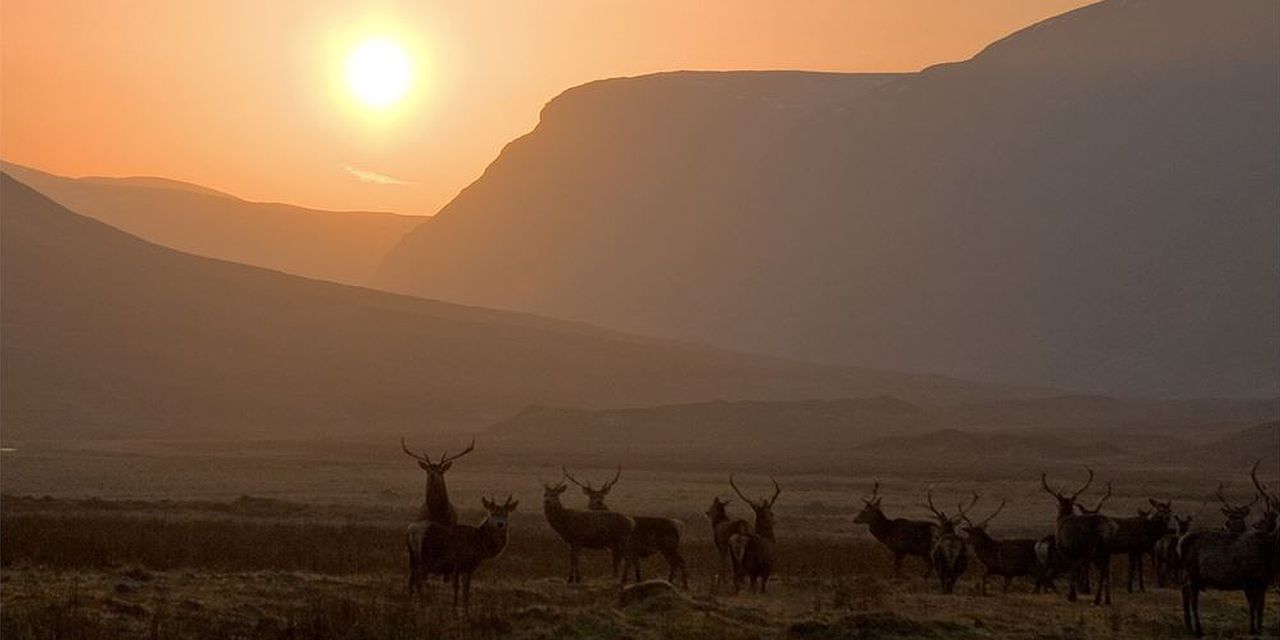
[1089, 204]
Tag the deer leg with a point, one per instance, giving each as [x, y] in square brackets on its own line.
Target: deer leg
[617, 557]
[1195, 612]
[1103, 596]
[1008, 582]
[466, 591]
[573, 565]
[454, 580]
[1186, 606]
[897, 565]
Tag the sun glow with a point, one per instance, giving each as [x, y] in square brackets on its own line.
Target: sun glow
[379, 73]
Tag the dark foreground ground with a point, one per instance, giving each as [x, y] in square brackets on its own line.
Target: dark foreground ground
[260, 568]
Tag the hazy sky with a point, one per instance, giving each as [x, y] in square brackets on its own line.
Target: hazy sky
[251, 97]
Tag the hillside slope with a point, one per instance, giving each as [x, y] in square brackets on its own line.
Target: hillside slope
[106, 335]
[341, 246]
[1088, 204]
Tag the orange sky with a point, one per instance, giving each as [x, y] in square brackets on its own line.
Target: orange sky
[245, 96]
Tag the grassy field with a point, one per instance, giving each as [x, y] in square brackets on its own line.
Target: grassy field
[273, 543]
[264, 569]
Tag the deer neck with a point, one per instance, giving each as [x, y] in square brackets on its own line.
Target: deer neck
[880, 525]
[555, 513]
[981, 540]
[494, 541]
[764, 527]
[437, 497]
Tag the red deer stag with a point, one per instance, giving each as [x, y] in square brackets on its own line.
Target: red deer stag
[435, 508]
[590, 530]
[459, 550]
[950, 553]
[1230, 561]
[723, 528]
[902, 537]
[652, 534]
[1137, 536]
[1083, 540]
[1009, 558]
[752, 552]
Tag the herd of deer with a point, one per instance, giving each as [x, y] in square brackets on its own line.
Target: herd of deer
[1240, 557]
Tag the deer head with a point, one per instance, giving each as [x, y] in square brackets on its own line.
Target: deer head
[1235, 514]
[1066, 504]
[762, 507]
[871, 506]
[436, 470]
[499, 514]
[1181, 526]
[551, 492]
[595, 497]
[947, 523]
[718, 510]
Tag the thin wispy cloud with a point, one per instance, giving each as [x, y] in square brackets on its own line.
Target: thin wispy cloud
[372, 176]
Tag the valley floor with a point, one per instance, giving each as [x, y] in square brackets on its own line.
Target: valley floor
[256, 568]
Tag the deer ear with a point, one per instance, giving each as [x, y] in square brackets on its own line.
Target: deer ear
[424, 466]
[513, 505]
[445, 467]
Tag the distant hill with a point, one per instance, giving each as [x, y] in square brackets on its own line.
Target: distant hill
[106, 335]
[1238, 450]
[881, 428]
[1087, 204]
[1025, 446]
[828, 422]
[340, 246]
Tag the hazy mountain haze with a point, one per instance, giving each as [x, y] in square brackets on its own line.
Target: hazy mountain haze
[341, 246]
[106, 335]
[1088, 204]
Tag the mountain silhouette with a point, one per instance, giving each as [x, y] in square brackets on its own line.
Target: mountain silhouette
[1088, 204]
[106, 335]
[340, 246]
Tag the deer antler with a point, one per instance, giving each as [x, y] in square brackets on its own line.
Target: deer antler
[875, 492]
[1223, 499]
[739, 491]
[928, 496]
[550, 486]
[1045, 483]
[776, 491]
[1105, 497]
[609, 485]
[1262, 488]
[445, 458]
[994, 514]
[1086, 485]
[964, 511]
[424, 458]
[566, 473]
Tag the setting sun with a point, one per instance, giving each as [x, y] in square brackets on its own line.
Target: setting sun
[379, 73]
